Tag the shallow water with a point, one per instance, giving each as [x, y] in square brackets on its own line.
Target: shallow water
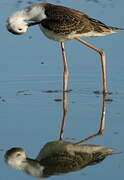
[31, 82]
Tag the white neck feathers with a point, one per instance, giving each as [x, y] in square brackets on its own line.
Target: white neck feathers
[33, 13]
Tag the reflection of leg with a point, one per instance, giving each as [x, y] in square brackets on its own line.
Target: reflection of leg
[102, 125]
[103, 62]
[65, 73]
[65, 109]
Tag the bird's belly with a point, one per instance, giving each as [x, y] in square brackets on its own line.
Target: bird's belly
[62, 37]
[55, 36]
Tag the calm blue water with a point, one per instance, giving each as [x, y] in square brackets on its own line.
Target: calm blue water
[31, 65]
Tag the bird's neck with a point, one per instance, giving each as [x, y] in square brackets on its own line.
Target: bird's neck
[32, 167]
[30, 14]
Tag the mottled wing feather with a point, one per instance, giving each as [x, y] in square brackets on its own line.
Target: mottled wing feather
[58, 25]
[63, 162]
[100, 26]
[65, 20]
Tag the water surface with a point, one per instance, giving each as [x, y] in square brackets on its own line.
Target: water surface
[31, 116]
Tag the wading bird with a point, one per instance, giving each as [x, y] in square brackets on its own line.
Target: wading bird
[62, 24]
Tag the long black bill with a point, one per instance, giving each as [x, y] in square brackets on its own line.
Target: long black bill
[33, 23]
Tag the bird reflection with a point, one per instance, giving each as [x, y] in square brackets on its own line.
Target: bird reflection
[59, 157]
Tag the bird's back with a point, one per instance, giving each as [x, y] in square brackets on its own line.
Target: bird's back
[62, 157]
[64, 21]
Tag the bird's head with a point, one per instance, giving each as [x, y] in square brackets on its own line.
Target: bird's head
[16, 26]
[19, 21]
[19, 26]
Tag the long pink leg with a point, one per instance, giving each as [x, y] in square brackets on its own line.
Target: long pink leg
[65, 110]
[103, 62]
[102, 125]
[65, 73]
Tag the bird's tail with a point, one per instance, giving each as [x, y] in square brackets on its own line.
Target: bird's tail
[116, 28]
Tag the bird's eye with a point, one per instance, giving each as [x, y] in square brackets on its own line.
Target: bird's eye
[20, 29]
[18, 154]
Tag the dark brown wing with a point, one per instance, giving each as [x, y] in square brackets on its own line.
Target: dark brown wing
[99, 26]
[63, 162]
[65, 20]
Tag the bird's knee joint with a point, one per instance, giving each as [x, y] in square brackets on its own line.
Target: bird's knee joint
[100, 132]
[101, 52]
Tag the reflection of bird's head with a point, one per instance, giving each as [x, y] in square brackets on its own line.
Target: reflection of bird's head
[16, 158]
